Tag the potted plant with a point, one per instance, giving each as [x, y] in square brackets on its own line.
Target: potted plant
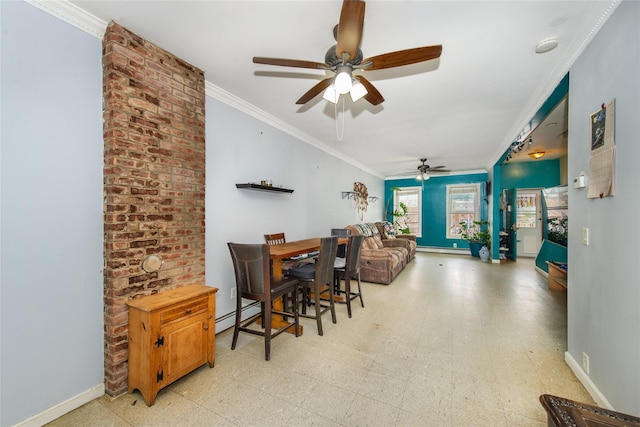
[477, 234]
[399, 216]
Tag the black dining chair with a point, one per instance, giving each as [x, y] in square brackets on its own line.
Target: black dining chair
[344, 233]
[348, 270]
[317, 279]
[254, 282]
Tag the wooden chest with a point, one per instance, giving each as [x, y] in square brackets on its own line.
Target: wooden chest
[170, 334]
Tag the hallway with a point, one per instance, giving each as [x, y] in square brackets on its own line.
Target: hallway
[452, 341]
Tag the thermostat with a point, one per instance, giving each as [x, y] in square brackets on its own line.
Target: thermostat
[580, 181]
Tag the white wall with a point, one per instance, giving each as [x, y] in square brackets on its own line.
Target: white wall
[243, 149]
[604, 277]
[51, 243]
[51, 213]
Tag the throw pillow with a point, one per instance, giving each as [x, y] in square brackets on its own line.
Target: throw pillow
[388, 232]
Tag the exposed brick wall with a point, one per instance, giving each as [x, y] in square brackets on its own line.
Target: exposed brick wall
[154, 179]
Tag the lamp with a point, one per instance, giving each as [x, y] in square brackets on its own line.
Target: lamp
[331, 94]
[422, 176]
[536, 155]
[344, 83]
[357, 90]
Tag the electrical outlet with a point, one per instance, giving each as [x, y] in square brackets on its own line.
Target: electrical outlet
[233, 293]
[585, 362]
[455, 245]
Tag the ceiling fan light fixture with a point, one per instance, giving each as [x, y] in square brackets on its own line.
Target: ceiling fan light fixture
[357, 90]
[536, 155]
[422, 177]
[331, 94]
[342, 81]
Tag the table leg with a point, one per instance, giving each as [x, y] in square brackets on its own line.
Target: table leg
[276, 268]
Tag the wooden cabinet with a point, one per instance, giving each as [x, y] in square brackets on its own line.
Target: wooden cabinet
[170, 334]
[557, 275]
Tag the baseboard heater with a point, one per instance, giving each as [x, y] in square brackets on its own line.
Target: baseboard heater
[232, 314]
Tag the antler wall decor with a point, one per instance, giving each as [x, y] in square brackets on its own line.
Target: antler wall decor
[361, 198]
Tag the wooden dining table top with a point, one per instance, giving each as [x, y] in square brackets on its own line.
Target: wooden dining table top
[297, 247]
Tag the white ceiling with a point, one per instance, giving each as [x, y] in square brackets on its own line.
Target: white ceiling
[462, 110]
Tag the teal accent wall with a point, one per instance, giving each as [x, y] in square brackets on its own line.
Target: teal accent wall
[550, 251]
[434, 206]
[538, 174]
[561, 90]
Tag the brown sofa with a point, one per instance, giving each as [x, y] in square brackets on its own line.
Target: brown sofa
[381, 260]
[386, 230]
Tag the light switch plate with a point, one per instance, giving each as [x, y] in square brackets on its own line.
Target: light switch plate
[585, 236]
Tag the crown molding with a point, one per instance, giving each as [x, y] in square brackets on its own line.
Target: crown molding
[89, 23]
[557, 73]
[253, 111]
[72, 14]
[437, 175]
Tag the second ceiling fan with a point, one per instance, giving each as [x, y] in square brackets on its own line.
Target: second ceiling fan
[424, 168]
[346, 56]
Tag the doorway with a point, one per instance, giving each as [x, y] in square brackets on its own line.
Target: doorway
[528, 222]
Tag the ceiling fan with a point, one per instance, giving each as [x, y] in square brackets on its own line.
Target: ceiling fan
[424, 168]
[346, 56]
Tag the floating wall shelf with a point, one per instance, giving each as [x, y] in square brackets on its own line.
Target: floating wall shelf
[258, 187]
[351, 194]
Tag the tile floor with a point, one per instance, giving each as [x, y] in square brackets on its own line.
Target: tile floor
[452, 341]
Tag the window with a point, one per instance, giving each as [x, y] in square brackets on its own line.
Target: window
[411, 198]
[463, 204]
[526, 212]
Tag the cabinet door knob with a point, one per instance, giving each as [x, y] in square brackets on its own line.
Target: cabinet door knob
[188, 311]
[205, 327]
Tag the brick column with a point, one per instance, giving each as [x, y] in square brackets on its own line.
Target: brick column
[154, 179]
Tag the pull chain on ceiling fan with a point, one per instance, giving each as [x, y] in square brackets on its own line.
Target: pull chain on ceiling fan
[346, 56]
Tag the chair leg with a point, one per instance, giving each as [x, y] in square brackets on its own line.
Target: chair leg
[266, 316]
[332, 304]
[316, 298]
[347, 292]
[360, 291]
[236, 327]
[296, 316]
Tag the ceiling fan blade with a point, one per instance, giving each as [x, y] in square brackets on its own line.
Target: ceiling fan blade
[435, 167]
[350, 28]
[439, 170]
[373, 96]
[315, 91]
[290, 63]
[402, 57]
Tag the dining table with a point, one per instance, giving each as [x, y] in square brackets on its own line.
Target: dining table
[291, 249]
[294, 248]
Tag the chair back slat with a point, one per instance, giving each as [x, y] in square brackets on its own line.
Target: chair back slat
[251, 267]
[353, 252]
[275, 239]
[341, 232]
[326, 260]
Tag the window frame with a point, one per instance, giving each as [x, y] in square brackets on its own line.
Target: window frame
[396, 206]
[468, 188]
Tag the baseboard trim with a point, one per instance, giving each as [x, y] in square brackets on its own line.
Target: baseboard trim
[541, 271]
[64, 407]
[443, 250]
[591, 388]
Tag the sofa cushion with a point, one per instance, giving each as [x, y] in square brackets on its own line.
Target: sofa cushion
[377, 241]
[366, 229]
[387, 230]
